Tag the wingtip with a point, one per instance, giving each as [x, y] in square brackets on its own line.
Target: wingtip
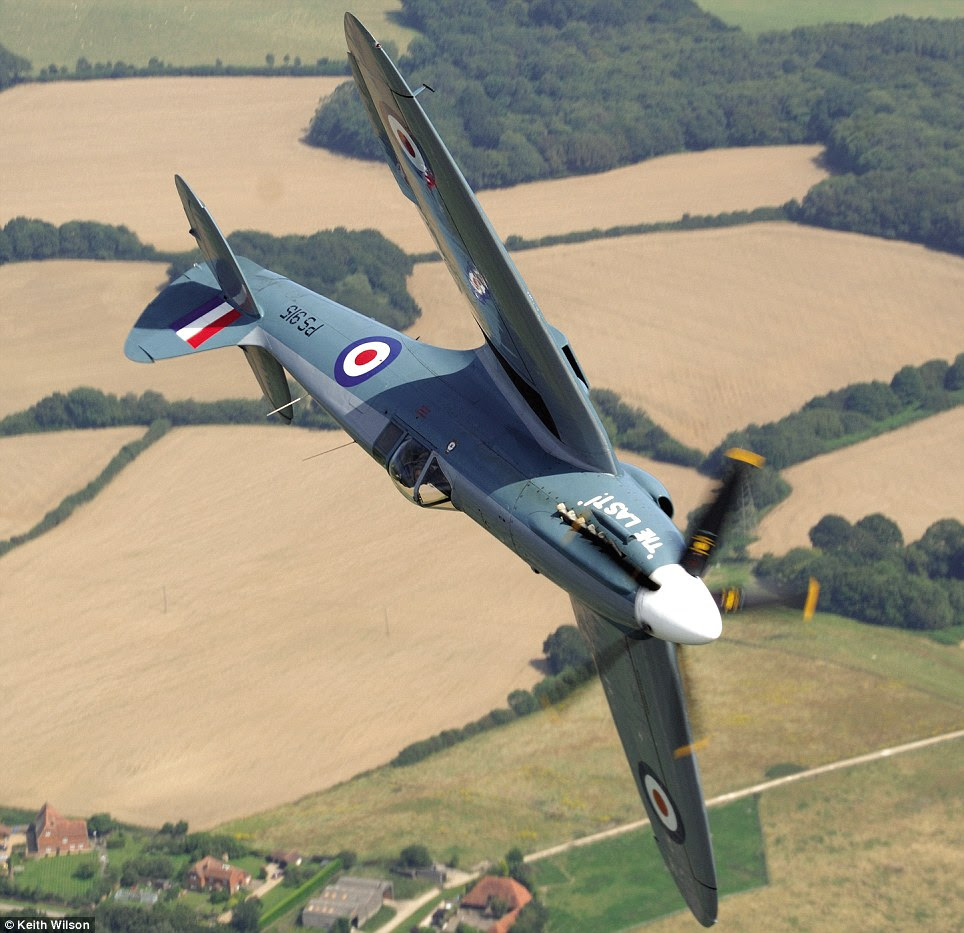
[355, 31]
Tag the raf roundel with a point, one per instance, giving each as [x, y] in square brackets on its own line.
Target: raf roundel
[363, 358]
[661, 805]
[411, 150]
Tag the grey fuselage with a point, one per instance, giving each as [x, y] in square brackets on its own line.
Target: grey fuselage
[506, 469]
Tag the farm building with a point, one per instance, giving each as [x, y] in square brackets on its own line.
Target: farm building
[355, 899]
[286, 857]
[211, 874]
[478, 907]
[51, 834]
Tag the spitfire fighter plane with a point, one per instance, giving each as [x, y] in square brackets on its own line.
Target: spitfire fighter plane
[505, 433]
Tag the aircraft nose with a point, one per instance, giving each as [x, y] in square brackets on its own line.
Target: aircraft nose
[682, 610]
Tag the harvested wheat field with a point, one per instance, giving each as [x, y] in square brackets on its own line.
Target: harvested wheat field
[64, 324]
[914, 475]
[326, 620]
[237, 142]
[711, 330]
[38, 470]
[664, 188]
[228, 615]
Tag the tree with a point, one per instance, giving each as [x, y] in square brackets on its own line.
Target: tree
[415, 856]
[876, 537]
[954, 377]
[347, 857]
[245, 915]
[566, 648]
[101, 823]
[533, 918]
[908, 385]
[831, 533]
[940, 552]
[522, 702]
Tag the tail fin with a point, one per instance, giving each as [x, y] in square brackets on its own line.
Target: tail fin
[208, 307]
[216, 251]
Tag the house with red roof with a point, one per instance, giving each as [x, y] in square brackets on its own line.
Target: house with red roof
[482, 904]
[53, 835]
[211, 874]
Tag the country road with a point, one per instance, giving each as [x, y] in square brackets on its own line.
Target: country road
[756, 789]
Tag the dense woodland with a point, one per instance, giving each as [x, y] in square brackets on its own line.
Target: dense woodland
[555, 87]
[868, 573]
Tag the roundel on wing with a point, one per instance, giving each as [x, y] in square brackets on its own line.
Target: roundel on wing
[363, 358]
[480, 287]
[660, 805]
[409, 146]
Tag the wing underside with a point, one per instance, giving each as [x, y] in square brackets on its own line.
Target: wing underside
[642, 684]
[512, 323]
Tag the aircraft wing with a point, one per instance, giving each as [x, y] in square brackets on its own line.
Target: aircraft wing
[543, 370]
[642, 683]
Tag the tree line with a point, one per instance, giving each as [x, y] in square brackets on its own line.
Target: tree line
[521, 100]
[570, 664]
[87, 407]
[24, 239]
[848, 415]
[358, 268]
[866, 571]
[15, 69]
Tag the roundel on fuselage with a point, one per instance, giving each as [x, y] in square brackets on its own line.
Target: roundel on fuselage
[363, 358]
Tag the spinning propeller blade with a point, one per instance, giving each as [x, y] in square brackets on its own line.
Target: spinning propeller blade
[706, 537]
[732, 599]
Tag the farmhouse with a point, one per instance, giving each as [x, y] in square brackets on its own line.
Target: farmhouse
[211, 874]
[479, 906]
[355, 899]
[51, 834]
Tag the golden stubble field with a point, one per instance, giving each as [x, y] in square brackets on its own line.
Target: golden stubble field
[241, 625]
[232, 626]
[912, 475]
[108, 151]
[710, 330]
[187, 696]
[39, 470]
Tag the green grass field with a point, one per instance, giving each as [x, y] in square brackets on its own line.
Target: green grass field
[773, 692]
[621, 882]
[239, 32]
[871, 848]
[762, 15]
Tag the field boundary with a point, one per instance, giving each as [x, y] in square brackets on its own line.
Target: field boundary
[732, 796]
[58, 515]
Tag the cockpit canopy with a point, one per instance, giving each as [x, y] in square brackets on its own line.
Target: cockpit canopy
[417, 474]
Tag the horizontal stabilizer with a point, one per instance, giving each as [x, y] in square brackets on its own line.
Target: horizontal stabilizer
[190, 315]
[272, 379]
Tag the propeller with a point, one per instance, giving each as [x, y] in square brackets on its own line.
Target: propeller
[681, 609]
[732, 599]
[709, 530]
